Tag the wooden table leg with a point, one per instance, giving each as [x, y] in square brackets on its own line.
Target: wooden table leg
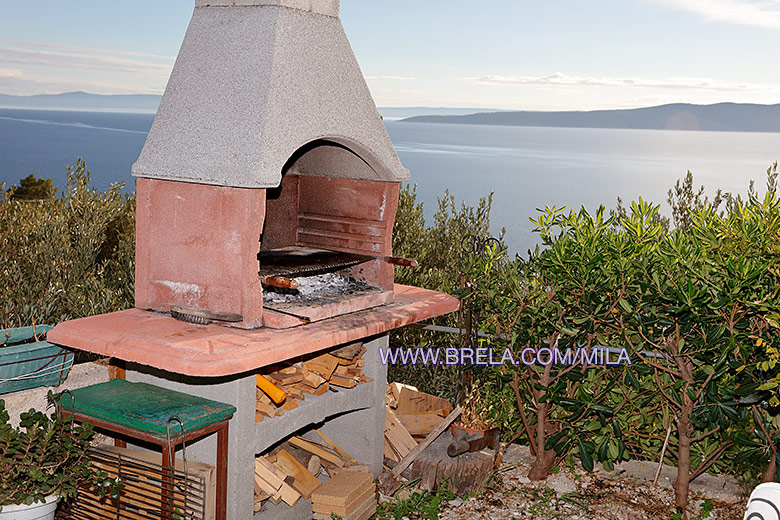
[222, 467]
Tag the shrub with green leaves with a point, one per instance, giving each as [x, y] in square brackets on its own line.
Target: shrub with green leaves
[694, 306]
[45, 456]
[437, 248]
[69, 256]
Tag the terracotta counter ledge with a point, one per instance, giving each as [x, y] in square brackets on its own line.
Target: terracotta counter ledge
[159, 341]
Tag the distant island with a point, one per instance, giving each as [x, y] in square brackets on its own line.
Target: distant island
[725, 117]
[83, 101]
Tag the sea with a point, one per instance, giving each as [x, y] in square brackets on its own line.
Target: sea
[524, 168]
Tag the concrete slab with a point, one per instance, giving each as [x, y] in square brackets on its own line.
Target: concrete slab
[160, 341]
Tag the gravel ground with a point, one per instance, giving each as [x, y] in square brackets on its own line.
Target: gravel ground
[579, 495]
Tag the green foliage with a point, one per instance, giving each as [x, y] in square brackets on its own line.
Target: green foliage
[70, 256]
[437, 248]
[31, 188]
[44, 457]
[420, 505]
[696, 307]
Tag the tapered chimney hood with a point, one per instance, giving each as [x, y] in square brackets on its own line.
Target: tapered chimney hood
[254, 83]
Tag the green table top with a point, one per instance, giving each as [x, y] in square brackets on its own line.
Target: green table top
[146, 407]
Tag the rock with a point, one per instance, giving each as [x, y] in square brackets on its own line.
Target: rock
[562, 484]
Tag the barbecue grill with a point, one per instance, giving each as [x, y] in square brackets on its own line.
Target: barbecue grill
[267, 166]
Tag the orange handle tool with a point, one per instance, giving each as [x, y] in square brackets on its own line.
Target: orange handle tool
[276, 394]
[405, 262]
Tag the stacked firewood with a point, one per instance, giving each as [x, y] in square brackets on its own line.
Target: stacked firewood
[410, 415]
[313, 375]
[291, 471]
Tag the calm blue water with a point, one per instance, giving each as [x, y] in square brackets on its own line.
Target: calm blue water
[525, 167]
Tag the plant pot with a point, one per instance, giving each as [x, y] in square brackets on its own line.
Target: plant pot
[30, 365]
[37, 511]
[469, 431]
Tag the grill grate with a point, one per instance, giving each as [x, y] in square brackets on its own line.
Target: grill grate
[306, 261]
[140, 499]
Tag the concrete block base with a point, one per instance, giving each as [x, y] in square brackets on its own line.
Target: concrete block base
[353, 418]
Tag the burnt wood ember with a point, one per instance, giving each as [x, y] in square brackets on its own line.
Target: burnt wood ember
[313, 289]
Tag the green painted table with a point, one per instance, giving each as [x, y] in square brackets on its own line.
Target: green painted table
[143, 411]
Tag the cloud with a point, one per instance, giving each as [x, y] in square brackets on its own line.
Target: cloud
[607, 81]
[90, 50]
[396, 78]
[10, 73]
[763, 13]
[71, 60]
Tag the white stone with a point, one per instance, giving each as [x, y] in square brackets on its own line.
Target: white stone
[81, 375]
[326, 7]
[561, 484]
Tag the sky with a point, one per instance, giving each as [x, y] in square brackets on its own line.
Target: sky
[502, 54]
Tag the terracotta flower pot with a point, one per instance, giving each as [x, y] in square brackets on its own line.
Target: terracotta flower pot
[469, 431]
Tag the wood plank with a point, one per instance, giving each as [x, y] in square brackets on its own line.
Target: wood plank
[292, 369]
[312, 379]
[303, 481]
[289, 404]
[267, 472]
[349, 352]
[335, 447]
[394, 389]
[294, 391]
[390, 453]
[343, 381]
[396, 434]
[266, 477]
[269, 409]
[420, 425]
[316, 449]
[324, 387]
[413, 402]
[389, 481]
[343, 489]
[368, 492]
[281, 379]
[323, 365]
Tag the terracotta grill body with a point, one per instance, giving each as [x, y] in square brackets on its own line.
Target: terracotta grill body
[266, 136]
[266, 139]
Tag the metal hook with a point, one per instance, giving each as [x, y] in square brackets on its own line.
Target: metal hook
[477, 244]
[58, 406]
[172, 453]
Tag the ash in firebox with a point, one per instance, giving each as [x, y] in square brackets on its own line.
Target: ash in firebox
[313, 288]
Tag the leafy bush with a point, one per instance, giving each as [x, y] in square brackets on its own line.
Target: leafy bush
[45, 457]
[437, 248]
[69, 256]
[695, 307]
